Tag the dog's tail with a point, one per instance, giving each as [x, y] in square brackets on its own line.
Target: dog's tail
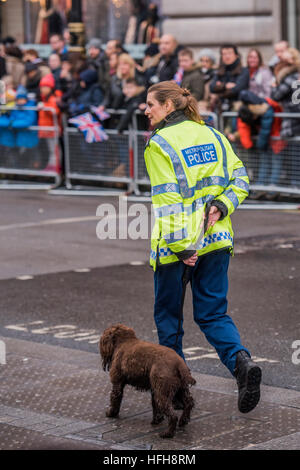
[185, 374]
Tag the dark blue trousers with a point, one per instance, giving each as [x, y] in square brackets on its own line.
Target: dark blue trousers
[209, 284]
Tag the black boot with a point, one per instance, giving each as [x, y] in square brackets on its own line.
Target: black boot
[248, 376]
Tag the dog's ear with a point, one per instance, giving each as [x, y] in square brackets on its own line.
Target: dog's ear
[107, 346]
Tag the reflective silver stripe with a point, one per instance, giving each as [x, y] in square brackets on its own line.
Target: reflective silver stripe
[211, 181]
[179, 207]
[174, 188]
[197, 204]
[225, 168]
[180, 234]
[165, 188]
[241, 184]
[185, 191]
[239, 172]
[169, 210]
[232, 197]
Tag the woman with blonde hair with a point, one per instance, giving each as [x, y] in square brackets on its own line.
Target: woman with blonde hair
[125, 70]
[197, 182]
[126, 67]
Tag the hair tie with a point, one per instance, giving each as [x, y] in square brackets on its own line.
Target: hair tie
[186, 92]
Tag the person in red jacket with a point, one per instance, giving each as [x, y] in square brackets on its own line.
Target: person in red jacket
[50, 118]
[268, 150]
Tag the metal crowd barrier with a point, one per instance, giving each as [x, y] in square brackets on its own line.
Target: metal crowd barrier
[25, 154]
[116, 162]
[110, 161]
[275, 170]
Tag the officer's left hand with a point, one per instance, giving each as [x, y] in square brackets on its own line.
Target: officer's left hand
[213, 216]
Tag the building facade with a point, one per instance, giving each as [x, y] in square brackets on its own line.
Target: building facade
[210, 23]
[195, 23]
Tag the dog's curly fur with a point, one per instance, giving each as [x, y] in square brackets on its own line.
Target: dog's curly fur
[146, 366]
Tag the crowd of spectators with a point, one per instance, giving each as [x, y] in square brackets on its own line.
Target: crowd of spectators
[107, 76]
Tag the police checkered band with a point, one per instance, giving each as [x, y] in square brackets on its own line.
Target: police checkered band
[208, 240]
[161, 253]
[215, 238]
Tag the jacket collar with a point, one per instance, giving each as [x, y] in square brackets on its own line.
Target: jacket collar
[170, 120]
[175, 117]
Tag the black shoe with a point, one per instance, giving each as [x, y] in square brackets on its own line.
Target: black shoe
[248, 376]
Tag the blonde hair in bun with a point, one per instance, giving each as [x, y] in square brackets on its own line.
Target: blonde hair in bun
[181, 98]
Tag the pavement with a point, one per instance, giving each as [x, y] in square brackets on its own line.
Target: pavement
[58, 287]
[55, 398]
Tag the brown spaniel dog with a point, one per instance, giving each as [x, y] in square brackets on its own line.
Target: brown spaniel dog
[146, 366]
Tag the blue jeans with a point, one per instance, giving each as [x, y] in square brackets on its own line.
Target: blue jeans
[209, 283]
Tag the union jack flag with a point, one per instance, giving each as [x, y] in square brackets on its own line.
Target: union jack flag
[100, 113]
[178, 76]
[92, 129]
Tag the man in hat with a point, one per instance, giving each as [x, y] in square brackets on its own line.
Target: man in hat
[32, 78]
[94, 51]
[98, 60]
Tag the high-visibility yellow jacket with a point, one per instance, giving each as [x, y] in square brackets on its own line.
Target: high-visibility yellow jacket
[191, 166]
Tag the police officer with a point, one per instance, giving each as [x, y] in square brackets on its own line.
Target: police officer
[196, 180]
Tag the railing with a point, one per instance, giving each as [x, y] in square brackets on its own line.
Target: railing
[119, 161]
[110, 162]
[275, 169]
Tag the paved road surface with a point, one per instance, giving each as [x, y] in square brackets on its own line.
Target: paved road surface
[61, 285]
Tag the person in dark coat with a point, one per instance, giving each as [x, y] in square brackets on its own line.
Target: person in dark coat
[2, 67]
[282, 91]
[192, 78]
[134, 95]
[33, 77]
[69, 82]
[207, 61]
[90, 93]
[58, 45]
[97, 60]
[230, 78]
[168, 63]
[126, 69]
